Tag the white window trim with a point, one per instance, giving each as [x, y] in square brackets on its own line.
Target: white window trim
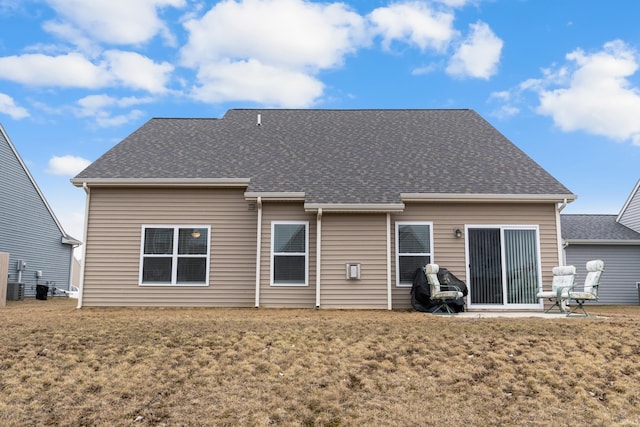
[174, 263]
[398, 254]
[306, 253]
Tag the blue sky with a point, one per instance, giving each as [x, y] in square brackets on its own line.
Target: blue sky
[559, 78]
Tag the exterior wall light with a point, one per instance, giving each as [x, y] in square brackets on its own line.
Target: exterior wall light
[458, 233]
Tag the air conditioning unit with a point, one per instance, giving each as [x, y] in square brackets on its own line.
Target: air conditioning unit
[353, 270]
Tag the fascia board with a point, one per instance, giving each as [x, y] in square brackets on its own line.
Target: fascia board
[602, 242]
[284, 196]
[626, 204]
[354, 207]
[33, 182]
[475, 197]
[161, 182]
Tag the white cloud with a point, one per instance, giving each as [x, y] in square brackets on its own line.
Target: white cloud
[115, 68]
[9, 107]
[257, 82]
[99, 107]
[274, 55]
[598, 98]
[479, 55]
[284, 33]
[138, 72]
[110, 21]
[67, 165]
[70, 70]
[413, 23]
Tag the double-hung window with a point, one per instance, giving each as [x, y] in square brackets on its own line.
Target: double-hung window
[413, 249]
[175, 255]
[289, 253]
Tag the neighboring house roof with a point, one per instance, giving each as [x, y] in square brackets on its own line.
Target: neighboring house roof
[596, 229]
[65, 238]
[331, 157]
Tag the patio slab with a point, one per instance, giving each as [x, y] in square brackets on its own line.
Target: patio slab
[514, 314]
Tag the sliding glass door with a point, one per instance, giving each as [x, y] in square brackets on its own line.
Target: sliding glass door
[504, 266]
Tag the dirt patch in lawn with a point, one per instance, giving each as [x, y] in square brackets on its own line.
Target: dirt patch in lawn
[258, 367]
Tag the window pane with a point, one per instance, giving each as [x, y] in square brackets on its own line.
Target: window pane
[156, 270]
[289, 238]
[414, 238]
[158, 240]
[192, 241]
[409, 265]
[192, 270]
[520, 253]
[288, 269]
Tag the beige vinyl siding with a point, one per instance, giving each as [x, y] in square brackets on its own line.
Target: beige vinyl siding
[286, 296]
[449, 251]
[354, 238]
[113, 246]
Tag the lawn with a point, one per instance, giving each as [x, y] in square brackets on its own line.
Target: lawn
[258, 367]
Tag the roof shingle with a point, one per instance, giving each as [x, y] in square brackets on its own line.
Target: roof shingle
[333, 156]
[595, 227]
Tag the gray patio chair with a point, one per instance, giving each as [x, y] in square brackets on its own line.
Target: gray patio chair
[563, 278]
[589, 292]
[442, 298]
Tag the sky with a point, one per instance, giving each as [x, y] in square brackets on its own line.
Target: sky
[559, 78]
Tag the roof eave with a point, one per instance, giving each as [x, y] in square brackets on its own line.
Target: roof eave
[618, 242]
[488, 197]
[354, 207]
[161, 182]
[281, 196]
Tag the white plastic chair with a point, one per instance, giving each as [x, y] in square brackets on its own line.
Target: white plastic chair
[563, 278]
[437, 294]
[589, 292]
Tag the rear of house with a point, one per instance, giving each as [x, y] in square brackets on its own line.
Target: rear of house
[317, 208]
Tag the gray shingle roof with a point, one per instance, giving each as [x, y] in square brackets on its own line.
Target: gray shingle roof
[595, 227]
[333, 156]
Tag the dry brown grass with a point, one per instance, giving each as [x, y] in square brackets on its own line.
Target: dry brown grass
[248, 367]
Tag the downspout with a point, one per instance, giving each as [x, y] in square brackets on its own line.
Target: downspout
[559, 232]
[258, 250]
[389, 300]
[87, 191]
[318, 254]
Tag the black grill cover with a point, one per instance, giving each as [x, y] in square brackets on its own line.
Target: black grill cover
[421, 291]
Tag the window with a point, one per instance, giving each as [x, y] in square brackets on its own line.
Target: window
[175, 255]
[289, 253]
[413, 250]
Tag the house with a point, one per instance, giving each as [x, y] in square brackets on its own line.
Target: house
[317, 208]
[613, 238]
[40, 251]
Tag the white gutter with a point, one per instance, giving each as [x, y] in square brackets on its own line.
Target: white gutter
[318, 254]
[284, 196]
[355, 207]
[563, 205]
[474, 197]
[561, 257]
[258, 250]
[84, 247]
[389, 299]
[602, 242]
[161, 182]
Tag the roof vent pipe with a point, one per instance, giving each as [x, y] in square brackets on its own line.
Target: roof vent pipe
[259, 122]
